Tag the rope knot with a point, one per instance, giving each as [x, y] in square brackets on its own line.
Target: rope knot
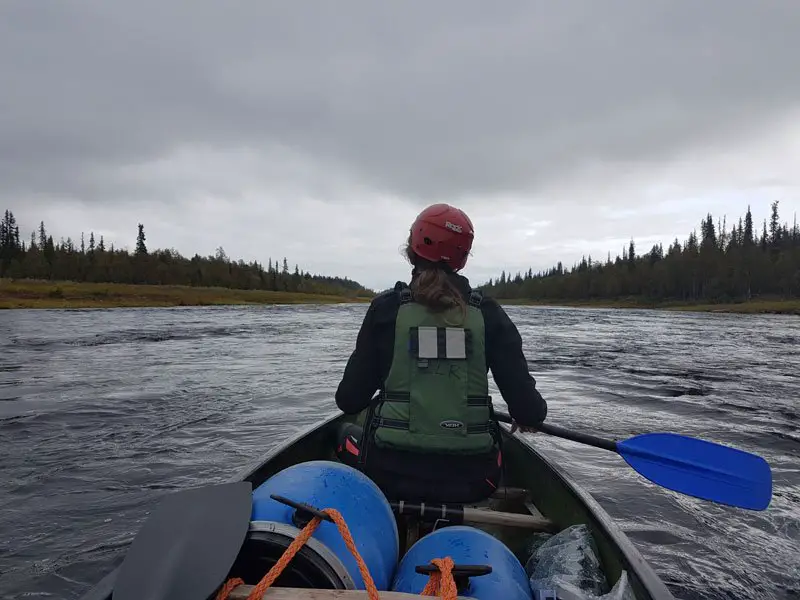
[442, 583]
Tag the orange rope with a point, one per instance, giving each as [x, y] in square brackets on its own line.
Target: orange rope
[441, 582]
[229, 586]
[290, 552]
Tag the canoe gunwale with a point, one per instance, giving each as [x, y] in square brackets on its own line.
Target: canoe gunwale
[249, 473]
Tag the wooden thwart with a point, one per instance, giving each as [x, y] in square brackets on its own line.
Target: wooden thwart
[277, 593]
[466, 514]
[494, 517]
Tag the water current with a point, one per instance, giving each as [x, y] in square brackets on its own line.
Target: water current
[104, 411]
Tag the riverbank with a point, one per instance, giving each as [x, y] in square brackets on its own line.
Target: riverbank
[776, 306]
[66, 294]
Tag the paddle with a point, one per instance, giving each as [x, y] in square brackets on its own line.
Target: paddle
[687, 465]
[188, 545]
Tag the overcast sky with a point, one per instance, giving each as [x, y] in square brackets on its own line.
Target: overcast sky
[317, 130]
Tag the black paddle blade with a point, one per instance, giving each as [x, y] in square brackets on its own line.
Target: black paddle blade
[188, 545]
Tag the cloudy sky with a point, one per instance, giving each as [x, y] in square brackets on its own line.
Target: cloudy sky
[317, 130]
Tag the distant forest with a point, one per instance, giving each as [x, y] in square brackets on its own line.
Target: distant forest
[716, 266]
[89, 260]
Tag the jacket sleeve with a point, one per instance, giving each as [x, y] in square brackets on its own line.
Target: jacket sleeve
[510, 368]
[361, 377]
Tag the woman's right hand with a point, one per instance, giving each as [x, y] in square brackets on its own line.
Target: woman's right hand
[515, 426]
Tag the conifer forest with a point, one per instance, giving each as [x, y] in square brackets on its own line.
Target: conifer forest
[90, 259]
[718, 265]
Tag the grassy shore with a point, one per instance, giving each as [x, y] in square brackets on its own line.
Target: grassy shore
[66, 294]
[777, 306]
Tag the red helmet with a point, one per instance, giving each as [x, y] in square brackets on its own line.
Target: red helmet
[443, 233]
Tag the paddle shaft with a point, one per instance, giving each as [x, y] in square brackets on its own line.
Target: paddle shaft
[581, 438]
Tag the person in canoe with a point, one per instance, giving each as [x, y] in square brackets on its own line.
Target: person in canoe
[426, 348]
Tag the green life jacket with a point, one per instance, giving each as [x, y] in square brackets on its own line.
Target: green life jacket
[436, 395]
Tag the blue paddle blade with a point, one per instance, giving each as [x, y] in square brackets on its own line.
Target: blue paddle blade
[701, 469]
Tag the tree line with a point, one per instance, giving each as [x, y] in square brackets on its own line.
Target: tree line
[91, 260]
[717, 265]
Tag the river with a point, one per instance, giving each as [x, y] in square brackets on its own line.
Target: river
[104, 411]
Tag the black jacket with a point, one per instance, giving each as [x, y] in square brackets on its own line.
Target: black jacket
[369, 364]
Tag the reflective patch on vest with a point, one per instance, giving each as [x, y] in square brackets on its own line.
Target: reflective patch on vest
[428, 343]
[455, 343]
[451, 425]
[439, 342]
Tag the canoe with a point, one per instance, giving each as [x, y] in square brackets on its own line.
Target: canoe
[536, 495]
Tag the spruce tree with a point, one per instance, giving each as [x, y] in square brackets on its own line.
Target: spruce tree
[141, 248]
[748, 228]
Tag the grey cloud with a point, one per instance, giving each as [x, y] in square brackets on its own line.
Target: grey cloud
[419, 99]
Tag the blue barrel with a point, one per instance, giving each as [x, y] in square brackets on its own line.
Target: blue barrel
[324, 484]
[466, 546]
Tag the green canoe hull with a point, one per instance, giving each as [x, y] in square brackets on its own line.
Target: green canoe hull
[553, 493]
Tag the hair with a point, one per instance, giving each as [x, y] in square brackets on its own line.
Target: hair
[431, 285]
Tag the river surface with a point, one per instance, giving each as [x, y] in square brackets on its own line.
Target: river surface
[104, 411]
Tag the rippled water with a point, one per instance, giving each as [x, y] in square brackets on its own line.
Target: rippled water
[102, 412]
